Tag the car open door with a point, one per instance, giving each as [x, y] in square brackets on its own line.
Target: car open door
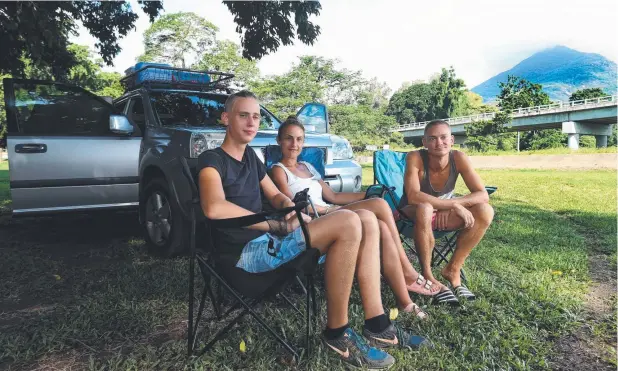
[68, 149]
[314, 116]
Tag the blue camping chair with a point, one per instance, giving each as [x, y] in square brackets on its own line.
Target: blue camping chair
[388, 172]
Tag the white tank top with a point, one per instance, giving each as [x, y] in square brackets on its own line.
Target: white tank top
[298, 184]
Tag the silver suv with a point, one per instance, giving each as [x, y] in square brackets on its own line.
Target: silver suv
[70, 150]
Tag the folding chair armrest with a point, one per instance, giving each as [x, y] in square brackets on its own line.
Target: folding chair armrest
[377, 190]
[245, 221]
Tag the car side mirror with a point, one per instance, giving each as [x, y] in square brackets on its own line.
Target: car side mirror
[120, 124]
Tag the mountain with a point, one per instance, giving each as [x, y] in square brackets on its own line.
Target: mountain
[560, 70]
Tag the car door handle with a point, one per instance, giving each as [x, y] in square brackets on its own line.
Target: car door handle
[31, 148]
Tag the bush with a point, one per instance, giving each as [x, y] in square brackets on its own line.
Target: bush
[587, 141]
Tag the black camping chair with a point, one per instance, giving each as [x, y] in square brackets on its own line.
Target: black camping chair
[247, 289]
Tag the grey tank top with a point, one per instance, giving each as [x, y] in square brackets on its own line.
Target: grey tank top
[449, 187]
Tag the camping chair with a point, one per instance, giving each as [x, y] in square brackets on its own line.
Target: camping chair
[247, 289]
[388, 172]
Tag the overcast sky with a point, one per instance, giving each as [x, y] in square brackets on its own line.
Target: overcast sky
[398, 41]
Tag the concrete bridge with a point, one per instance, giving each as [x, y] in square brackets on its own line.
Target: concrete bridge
[584, 117]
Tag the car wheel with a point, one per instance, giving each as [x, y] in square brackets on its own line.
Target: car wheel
[162, 221]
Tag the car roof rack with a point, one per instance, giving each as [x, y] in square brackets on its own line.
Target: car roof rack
[163, 76]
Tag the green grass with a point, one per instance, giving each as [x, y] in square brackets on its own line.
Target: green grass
[4, 185]
[83, 292]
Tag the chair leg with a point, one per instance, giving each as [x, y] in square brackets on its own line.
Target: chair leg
[289, 302]
[249, 310]
[308, 333]
[190, 340]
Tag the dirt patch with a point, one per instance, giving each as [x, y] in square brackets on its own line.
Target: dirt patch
[590, 347]
[569, 161]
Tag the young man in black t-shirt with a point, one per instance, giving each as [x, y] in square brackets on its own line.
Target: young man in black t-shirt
[230, 178]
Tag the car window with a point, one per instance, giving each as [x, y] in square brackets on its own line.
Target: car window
[136, 112]
[55, 109]
[197, 110]
[120, 105]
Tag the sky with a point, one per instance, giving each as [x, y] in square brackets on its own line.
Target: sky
[404, 41]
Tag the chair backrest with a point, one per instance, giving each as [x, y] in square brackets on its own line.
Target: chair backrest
[388, 169]
[313, 155]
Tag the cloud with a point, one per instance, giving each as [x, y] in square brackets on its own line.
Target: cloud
[398, 41]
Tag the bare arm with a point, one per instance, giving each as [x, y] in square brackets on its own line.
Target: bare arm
[214, 204]
[274, 195]
[412, 184]
[339, 198]
[478, 193]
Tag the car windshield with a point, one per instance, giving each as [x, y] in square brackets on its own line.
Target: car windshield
[197, 110]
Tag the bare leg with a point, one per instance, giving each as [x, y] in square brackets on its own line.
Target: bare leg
[391, 267]
[368, 265]
[467, 240]
[344, 258]
[384, 214]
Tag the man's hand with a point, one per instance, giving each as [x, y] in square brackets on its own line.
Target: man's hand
[442, 219]
[464, 214]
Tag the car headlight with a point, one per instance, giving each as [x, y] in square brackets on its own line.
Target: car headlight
[201, 142]
[342, 150]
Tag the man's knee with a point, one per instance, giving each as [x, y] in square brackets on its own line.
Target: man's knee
[483, 214]
[424, 211]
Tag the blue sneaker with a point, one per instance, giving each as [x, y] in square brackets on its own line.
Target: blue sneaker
[354, 350]
[395, 336]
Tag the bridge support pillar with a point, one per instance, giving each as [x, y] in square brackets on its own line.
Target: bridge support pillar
[575, 129]
[601, 141]
[573, 141]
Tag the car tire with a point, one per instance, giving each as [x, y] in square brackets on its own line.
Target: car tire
[162, 220]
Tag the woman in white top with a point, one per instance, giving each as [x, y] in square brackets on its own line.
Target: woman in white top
[292, 176]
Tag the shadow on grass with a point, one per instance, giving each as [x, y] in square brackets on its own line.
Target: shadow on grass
[83, 289]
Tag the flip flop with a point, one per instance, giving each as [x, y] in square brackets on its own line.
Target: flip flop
[463, 292]
[418, 311]
[422, 288]
[446, 296]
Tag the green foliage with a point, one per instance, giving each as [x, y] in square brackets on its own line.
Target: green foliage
[444, 96]
[38, 31]
[175, 37]
[362, 125]
[355, 105]
[490, 135]
[226, 57]
[266, 25]
[520, 93]
[312, 79]
[587, 141]
[412, 104]
[449, 99]
[542, 139]
[588, 93]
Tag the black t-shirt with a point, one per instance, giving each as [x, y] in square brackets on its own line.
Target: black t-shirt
[241, 185]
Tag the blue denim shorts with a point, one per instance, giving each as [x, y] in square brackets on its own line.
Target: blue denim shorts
[269, 252]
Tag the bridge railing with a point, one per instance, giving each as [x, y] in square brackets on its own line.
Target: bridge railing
[609, 100]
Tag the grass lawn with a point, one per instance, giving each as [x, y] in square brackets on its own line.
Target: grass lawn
[82, 292]
[4, 184]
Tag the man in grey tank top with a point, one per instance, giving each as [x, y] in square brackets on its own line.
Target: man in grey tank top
[429, 182]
